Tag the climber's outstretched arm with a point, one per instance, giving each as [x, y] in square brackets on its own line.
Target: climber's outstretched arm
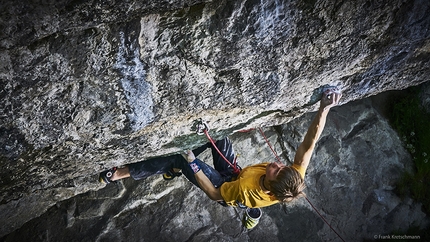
[204, 182]
[303, 155]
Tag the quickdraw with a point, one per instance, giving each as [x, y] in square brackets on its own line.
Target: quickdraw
[201, 127]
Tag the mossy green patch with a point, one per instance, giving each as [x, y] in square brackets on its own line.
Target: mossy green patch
[412, 123]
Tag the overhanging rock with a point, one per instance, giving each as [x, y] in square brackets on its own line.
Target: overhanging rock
[86, 86]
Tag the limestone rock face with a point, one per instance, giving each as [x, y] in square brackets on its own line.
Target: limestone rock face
[87, 85]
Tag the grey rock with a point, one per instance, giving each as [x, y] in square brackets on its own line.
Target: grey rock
[87, 85]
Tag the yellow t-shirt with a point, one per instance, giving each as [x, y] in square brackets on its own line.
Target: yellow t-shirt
[246, 188]
[300, 169]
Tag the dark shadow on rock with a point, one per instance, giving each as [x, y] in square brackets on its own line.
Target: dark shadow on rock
[296, 222]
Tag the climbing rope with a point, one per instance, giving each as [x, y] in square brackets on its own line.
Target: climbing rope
[324, 219]
[265, 138]
[270, 146]
[202, 127]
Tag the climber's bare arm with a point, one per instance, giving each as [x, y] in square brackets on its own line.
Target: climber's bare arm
[204, 182]
[306, 148]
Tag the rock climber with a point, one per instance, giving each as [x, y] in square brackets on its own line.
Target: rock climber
[255, 186]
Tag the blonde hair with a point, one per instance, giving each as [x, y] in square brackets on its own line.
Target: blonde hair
[288, 185]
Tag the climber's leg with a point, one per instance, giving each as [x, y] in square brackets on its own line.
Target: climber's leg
[176, 170]
[141, 170]
[225, 146]
[114, 174]
[121, 173]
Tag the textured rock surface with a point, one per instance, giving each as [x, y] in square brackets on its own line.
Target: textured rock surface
[350, 181]
[86, 85]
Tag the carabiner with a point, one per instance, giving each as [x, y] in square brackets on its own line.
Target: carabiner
[201, 126]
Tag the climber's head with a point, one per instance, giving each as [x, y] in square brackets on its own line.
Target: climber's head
[285, 182]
